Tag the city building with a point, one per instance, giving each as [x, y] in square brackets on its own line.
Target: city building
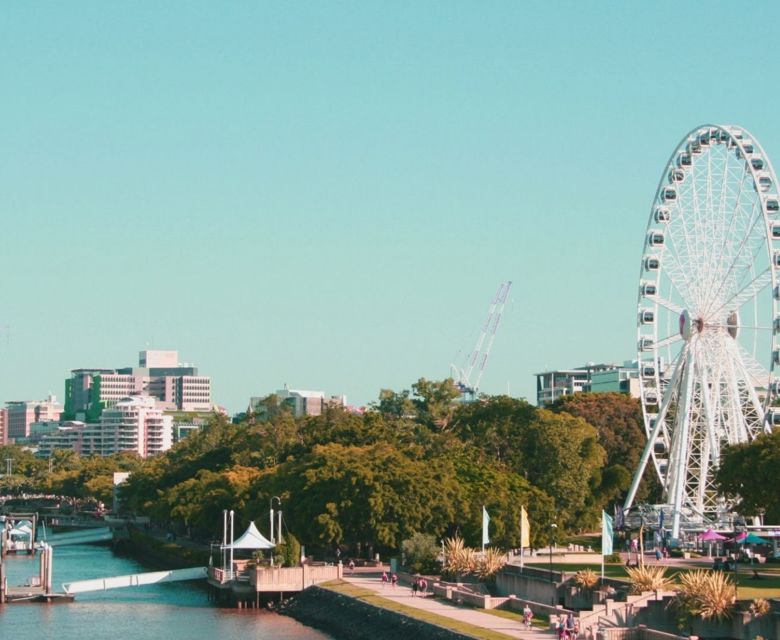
[21, 414]
[71, 435]
[3, 426]
[590, 378]
[300, 402]
[176, 387]
[135, 424]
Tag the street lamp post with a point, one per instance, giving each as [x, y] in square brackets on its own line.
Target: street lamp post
[273, 538]
[739, 525]
[553, 527]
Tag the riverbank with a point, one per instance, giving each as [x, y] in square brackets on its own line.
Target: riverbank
[155, 551]
[350, 618]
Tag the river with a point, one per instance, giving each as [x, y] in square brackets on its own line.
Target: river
[168, 611]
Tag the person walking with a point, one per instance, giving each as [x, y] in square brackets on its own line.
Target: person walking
[415, 587]
[394, 580]
[527, 616]
[384, 579]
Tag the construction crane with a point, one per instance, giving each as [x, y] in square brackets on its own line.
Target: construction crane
[479, 357]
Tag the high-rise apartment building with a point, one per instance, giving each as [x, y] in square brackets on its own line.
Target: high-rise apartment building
[135, 424]
[22, 413]
[3, 426]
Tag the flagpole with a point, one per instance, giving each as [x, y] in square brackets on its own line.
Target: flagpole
[522, 531]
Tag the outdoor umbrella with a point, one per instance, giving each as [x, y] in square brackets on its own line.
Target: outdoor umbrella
[709, 535]
[752, 538]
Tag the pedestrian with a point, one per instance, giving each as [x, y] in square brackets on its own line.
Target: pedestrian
[351, 567]
[394, 580]
[527, 616]
[415, 587]
[423, 586]
[384, 579]
[570, 625]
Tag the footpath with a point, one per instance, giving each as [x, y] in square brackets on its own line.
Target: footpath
[402, 594]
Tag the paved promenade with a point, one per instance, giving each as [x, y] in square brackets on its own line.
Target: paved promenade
[403, 595]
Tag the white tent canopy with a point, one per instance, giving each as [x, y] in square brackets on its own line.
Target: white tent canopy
[252, 540]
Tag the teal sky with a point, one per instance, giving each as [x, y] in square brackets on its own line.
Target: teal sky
[327, 194]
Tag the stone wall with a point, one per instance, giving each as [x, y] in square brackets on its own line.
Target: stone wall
[350, 619]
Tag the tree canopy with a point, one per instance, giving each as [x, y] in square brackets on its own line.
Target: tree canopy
[419, 461]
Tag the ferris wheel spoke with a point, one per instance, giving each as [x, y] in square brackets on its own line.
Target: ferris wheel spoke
[734, 263]
[679, 277]
[668, 340]
[668, 304]
[747, 293]
[727, 229]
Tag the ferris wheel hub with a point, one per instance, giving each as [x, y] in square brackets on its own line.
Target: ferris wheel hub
[688, 325]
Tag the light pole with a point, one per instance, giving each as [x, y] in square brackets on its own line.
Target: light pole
[739, 525]
[553, 527]
[273, 539]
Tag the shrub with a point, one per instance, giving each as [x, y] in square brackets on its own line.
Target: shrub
[759, 607]
[613, 558]
[709, 594]
[458, 558]
[490, 564]
[288, 553]
[421, 553]
[648, 578]
[586, 579]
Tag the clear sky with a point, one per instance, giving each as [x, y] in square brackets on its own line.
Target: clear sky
[327, 194]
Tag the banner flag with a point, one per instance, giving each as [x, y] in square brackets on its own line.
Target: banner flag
[525, 529]
[485, 523]
[606, 534]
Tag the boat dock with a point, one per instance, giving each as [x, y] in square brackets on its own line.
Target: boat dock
[248, 583]
[38, 588]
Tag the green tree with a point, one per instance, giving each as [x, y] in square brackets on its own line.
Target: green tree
[620, 424]
[361, 496]
[421, 553]
[436, 401]
[750, 473]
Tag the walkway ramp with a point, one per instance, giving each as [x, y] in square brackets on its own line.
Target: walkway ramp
[134, 580]
[82, 536]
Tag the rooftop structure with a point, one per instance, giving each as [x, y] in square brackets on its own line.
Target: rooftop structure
[594, 378]
[88, 392]
[301, 402]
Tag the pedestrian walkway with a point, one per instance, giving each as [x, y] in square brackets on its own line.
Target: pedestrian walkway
[403, 595]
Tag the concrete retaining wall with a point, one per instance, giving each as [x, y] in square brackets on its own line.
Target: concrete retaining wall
[350, 619]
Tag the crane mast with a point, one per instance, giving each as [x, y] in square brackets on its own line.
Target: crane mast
[479, 357]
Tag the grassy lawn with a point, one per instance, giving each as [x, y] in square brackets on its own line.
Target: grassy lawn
[768, 586]
[359, 593]
[587, 540]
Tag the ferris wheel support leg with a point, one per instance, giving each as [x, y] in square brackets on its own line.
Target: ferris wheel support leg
[710, 447]
[755, 401]
[640, 471]
[678, 465]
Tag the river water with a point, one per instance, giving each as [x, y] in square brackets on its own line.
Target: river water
[168, 611]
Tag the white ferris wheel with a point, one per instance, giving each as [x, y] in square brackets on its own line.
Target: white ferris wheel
[708, 328]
